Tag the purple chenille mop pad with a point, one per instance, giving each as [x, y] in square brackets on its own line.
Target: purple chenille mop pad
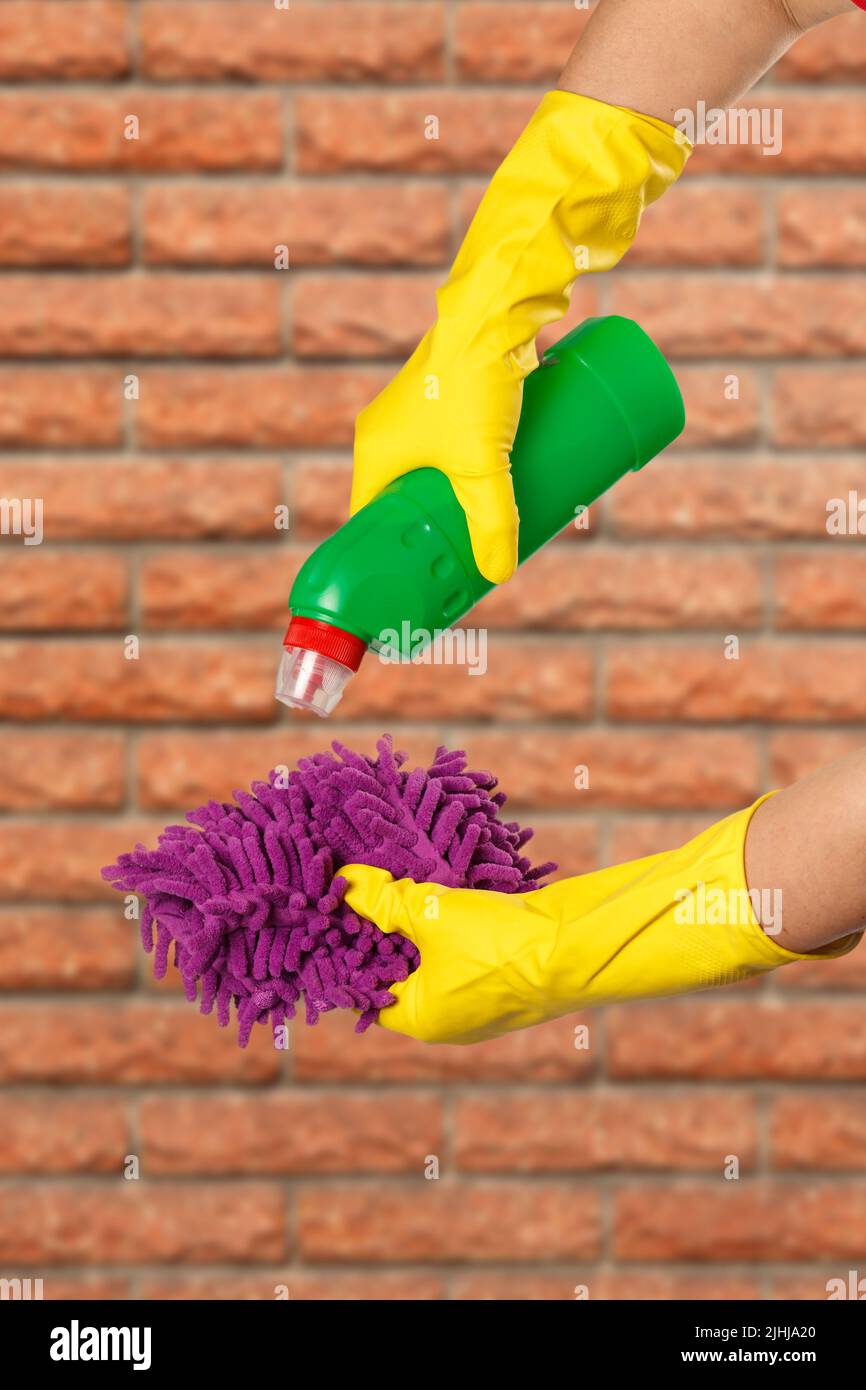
[253, 899]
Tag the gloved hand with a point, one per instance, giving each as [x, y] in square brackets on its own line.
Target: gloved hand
[568, 198]
[494, 962]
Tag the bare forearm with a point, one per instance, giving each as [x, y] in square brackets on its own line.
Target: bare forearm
[661, 56]
[807, 13]
[807, 845]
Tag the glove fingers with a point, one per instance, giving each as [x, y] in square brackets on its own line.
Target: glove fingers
[367, 481]
[363, 491]
[378, 896]
[488, 501]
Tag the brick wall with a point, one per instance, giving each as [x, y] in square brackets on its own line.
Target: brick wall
[155, 257]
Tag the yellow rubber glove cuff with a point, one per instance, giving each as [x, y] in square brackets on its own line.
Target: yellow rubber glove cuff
[492, 963]
[567, 199]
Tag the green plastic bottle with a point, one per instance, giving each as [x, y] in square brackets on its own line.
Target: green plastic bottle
[602, 402]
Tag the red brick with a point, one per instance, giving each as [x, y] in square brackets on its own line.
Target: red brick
[141, 498]
[100, 948]
[599, 587]
[813, 590]
[509, 690]
[815, 1285]
[188, 589]
[213, 682]
[66, 589]
[176, 769]
[142, 316]
[560, 590]
[621, 1285]
[75, 850]
[78, 131]
[822, 226]
[723, 1038]
[255, 407]
[99, 1288]
[307, 43]
[376, 316]
[751, 316]
[821, 134]
[298, 1133]
[571, 844]
[638, 836]
[685, 229]
[524, 680]
[514, 43]
[170, 986]
[62, 224]
[234, 223]
[385, 131]
[70, 407]
[845, 973]
[603, 1131]
[72, 40]
[625, 768]
[60, 770]
[750, 498]
[302, 1285]
[775, 682]
[795, 753]
[361, 316]
[123, 1044]
[668, 551]
[132, 1221]
[43, 1136]
[320, 495]
[332, 1052]
[808, 1130]
[435, 1220]
[740, 1221]
[168, 681]
[830, 53]
[712, 419]
[819, 407]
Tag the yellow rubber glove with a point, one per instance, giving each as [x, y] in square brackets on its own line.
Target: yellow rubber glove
[494, 962]
[568, 198]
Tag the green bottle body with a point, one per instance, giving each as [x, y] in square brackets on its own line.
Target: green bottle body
[601, 404]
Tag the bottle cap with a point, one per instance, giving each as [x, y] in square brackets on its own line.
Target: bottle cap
[317, 663]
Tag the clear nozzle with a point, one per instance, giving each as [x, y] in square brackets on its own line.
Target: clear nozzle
[309, 680]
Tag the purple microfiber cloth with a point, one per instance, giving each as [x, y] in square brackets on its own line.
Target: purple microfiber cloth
[254, 902]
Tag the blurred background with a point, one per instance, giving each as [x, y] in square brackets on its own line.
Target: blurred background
[164, 388]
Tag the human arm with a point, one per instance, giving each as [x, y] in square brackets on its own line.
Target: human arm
[663, 56]
[568, 198]
[775, 883]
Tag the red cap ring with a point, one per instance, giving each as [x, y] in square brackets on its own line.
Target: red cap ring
[330, 641]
